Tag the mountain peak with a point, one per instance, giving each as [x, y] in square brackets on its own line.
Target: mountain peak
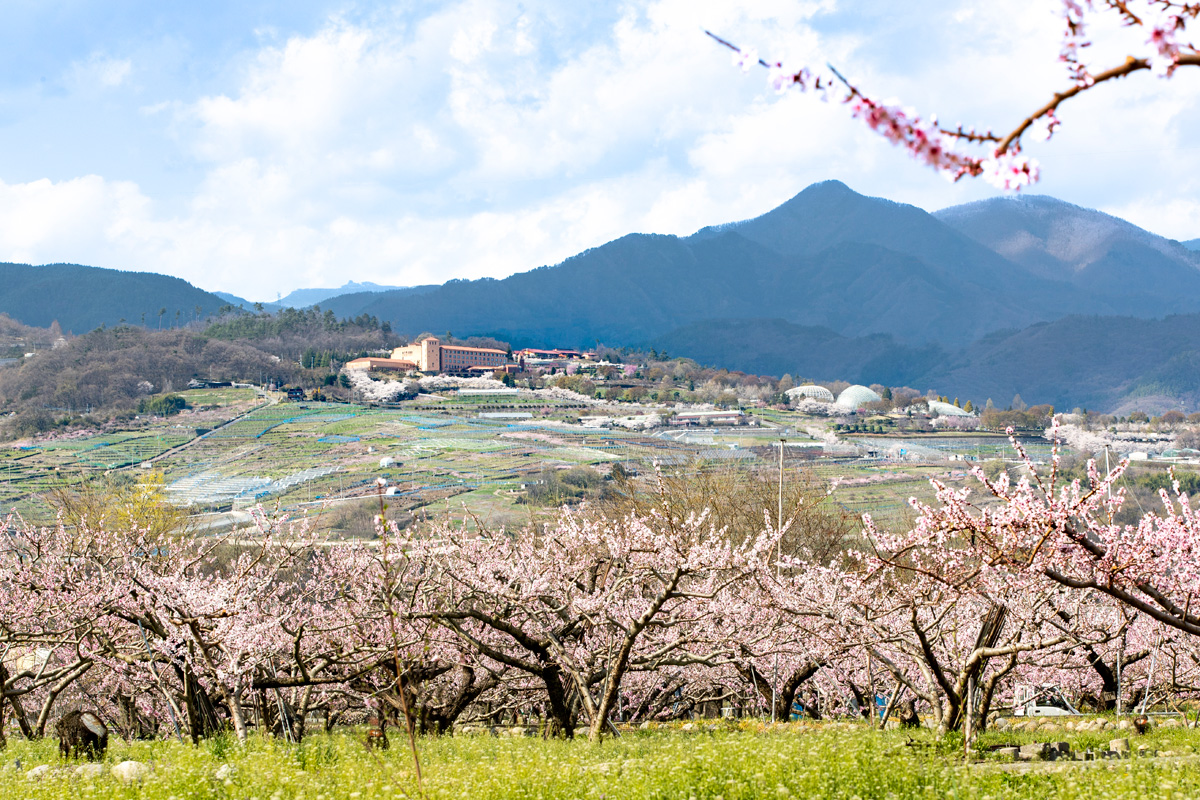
[829, 187]
[1056, 238]
[822, 215]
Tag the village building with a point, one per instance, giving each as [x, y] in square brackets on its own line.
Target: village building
[430, 355]
[718, 417]
[371, 364]
[536, 354]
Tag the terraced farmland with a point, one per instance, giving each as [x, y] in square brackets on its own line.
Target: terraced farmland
[237, 450]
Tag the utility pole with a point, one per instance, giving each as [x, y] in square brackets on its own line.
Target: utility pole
[778, 558]
[1120, 659]
[779, 517]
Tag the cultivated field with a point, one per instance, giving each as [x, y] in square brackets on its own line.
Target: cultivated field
[462, 454]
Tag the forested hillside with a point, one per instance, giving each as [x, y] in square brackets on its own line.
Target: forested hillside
[82, 298]
[1101, 363]
[17, 339]
[107, 372]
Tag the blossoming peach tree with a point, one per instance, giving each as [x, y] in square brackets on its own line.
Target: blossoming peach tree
[960, 151]
[599, 618]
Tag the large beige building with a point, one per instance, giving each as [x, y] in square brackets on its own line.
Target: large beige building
[430, 355]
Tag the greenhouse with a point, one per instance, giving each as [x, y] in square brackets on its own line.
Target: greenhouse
[811, 391]
[947, 409]
[856, 397]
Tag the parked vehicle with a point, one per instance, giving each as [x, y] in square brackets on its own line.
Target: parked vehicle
[1046, 700]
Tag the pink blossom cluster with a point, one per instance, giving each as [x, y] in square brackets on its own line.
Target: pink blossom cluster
[1074, 40]
[923, 140]
[1163, 38]
[1004, 166]
[1165, 21]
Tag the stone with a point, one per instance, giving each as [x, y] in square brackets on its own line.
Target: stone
[1002, 724]
[37, 772]
[645, 725]
[223, 772]
[1009, 752]
[688, 726]
[1123, 725]
[1036, 750]
[90, 771]
[1119, 745]
[1063, 749]
[130, 771]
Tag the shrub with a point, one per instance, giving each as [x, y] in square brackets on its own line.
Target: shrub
[163, 405]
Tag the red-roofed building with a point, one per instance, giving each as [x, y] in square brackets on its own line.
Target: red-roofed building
[382, 364]
[430, 355]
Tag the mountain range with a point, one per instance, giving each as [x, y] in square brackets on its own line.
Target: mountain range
[830, 258]
[1023, 294]
[303, 298]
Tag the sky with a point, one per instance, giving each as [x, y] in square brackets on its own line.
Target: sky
[261, 146]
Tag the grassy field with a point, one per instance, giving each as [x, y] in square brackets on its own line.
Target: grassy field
[718, 761]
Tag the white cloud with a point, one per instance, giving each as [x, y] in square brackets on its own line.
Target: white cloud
[488, 137]
[99, 70]
[73, 220]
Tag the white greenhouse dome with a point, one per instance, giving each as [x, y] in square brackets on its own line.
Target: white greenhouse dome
[811, 391]
[947, 409]
[856, 397]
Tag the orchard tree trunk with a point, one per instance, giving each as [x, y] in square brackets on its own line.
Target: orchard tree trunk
[236, 715]
[22, 720]
[618, 667]
[562, 717]
[785, 694]
[3, 700]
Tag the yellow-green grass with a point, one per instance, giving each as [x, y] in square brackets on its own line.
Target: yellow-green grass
[724, 762]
